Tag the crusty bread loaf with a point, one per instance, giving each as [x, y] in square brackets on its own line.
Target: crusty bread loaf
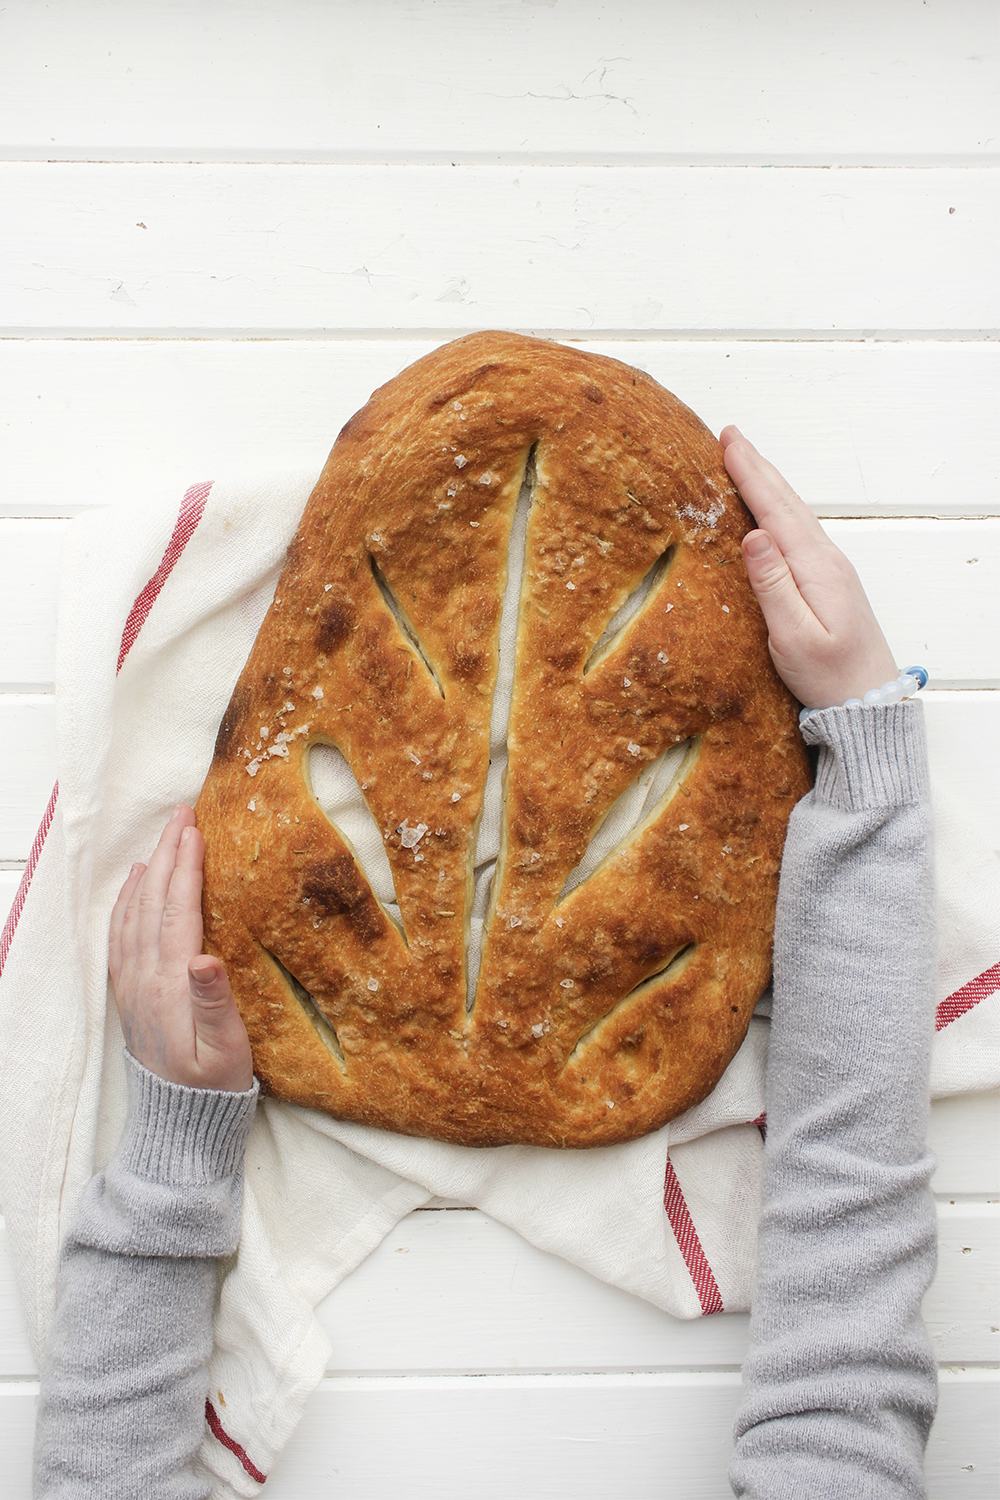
[604, 1008]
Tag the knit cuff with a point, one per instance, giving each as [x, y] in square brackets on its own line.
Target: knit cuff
[177, 1135]
[875, 756]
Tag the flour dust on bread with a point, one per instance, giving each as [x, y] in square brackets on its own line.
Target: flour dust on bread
[603, 978]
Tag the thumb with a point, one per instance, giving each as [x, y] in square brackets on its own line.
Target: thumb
[220, 1036]
[784, 609]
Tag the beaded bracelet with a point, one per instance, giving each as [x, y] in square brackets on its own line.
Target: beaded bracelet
[909, 681]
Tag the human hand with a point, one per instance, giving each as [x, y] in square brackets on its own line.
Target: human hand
[823, 635]
[176, 1007]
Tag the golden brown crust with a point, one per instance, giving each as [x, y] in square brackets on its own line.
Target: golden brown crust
[577, 1036]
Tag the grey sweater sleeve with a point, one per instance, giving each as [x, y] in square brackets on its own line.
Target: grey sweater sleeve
[123, 1384]
[839, 1386]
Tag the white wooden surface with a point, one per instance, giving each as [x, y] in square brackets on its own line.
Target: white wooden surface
[223, 225]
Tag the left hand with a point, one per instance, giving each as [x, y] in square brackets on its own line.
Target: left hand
[175, 1003]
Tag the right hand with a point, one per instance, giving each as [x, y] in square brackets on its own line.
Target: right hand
[822, 632]
[176, 1007]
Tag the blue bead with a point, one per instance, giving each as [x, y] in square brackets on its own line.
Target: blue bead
[920, 673]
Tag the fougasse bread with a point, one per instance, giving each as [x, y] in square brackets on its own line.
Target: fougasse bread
[601, 1008]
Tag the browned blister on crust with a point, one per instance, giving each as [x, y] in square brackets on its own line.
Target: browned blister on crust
[602, 1009]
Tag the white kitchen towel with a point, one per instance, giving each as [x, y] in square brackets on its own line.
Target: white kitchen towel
[157, 615]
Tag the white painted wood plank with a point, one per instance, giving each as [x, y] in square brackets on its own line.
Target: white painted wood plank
[963, 746]
[450, 1291]
[859, 428]
[935, 586]
[27, 769]
[964, 1135]
[647, 1437]
[174, 248]
[546, 1438]
[963, 730]
[29, 577]
[499, 76]
[17, 1435]
[962, 1308]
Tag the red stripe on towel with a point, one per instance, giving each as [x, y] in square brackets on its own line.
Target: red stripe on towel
[687, 1239]
[14, 915]
[761, 1124]
[191, 510]
[969, 995]
[219, 1432]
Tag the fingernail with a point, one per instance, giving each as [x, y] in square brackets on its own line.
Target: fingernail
[737, 430]
[757, 544]
[203, 973]
[175, 814]
[133, 870]
[186, 834]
